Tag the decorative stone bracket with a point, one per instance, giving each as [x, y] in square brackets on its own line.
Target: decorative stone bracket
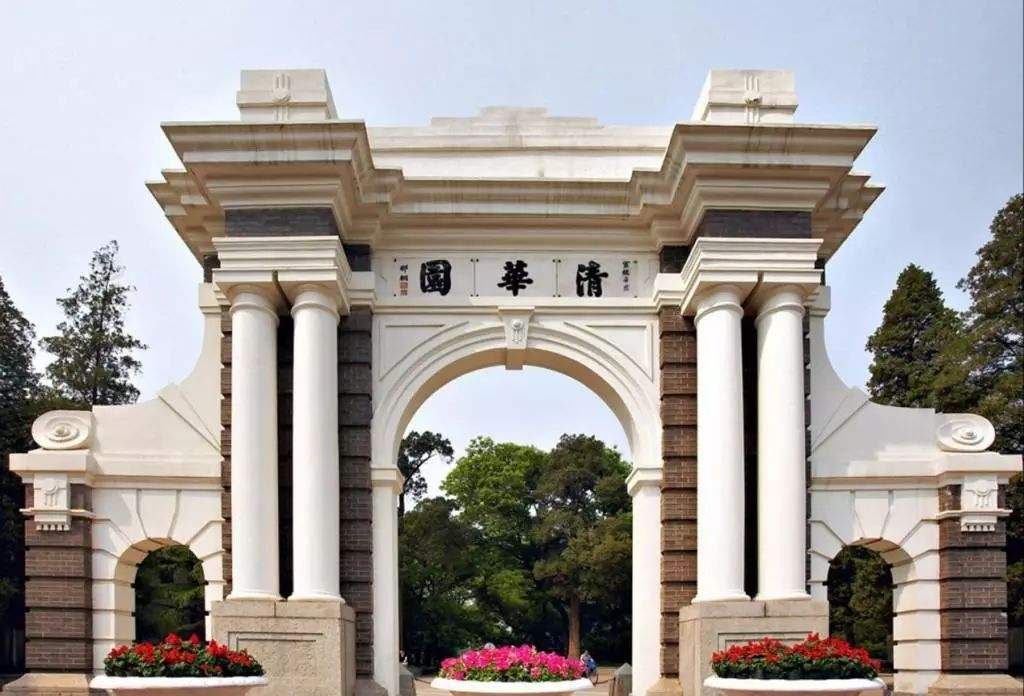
[62, 461]
[979, 504]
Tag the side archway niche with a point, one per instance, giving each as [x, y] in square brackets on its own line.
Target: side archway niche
[130, 524]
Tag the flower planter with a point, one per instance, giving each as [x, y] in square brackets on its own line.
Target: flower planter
[459, 687]
[177, 686]
[794, 687]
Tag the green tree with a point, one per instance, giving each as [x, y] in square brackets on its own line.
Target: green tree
[93, 353]
[916, 324]
[990, 358]
[169, 594]
[492, 487]
[582, 511]
[18, 386]
[417, 449]
[437, 563]
[860, 600]
[983, 371]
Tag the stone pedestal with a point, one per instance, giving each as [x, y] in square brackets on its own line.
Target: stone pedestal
[705, 628]
[306, 647]
[50, 684]
[975, 685]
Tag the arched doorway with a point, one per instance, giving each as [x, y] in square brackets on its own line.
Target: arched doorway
[615, 357]
[526, 538]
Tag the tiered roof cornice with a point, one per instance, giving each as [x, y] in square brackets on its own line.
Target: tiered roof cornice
[331, 164]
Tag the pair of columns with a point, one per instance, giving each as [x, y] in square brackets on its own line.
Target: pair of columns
[254, 446]
[781, 460]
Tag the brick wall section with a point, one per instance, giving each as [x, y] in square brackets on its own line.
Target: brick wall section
[678, 341]
[355, 388]
[972, 593]
[225, 442]
[782, 224]
[58, 596]
[280, 222]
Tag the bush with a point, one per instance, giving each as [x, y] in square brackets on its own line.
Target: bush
[815, 658]
[175, 657]
[511, 664]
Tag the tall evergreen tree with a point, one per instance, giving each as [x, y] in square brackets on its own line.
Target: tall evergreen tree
[18, 383]
[93, 353]
[988, 362]
[990, 358]
[584, 528]
[916, 324]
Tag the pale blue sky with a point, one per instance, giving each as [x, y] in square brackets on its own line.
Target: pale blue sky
[86, 84]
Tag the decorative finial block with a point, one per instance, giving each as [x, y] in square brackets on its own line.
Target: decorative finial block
[747, 97]
[285, 95]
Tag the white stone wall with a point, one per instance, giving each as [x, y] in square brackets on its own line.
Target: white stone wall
[876, 472]
[154, 473]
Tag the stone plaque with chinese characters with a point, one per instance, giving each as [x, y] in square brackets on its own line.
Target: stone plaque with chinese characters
[457, 276]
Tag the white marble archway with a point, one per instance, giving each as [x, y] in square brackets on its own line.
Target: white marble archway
[614, 355]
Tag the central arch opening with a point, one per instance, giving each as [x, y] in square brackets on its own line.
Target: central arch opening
[516, 525]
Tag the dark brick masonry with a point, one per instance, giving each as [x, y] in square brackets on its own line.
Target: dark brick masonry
[280, 222]
[678, 343]
[58, 596]
[972, 593]
[355, 388]
[679, 477]
[781, 224]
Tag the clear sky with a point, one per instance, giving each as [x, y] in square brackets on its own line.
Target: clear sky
[86, 84]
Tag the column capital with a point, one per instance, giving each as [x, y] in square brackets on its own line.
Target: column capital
[318, 296]
[747, 263]
[643, 477]
[387, 477]
[287, 263]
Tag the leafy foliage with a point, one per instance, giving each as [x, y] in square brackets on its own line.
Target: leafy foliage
[169, 592]
[174, 657]
[511, 664]
[418, 449]
[916, 324]
[989, 357]
[93, 353]
[18, 385]
[582, 510]
[524, 542]
[860, 600]
[814, 658]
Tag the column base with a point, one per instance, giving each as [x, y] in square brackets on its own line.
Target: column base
[665, 686]
[711, 626]
[306, 647]
[50, 684]
[975, 685]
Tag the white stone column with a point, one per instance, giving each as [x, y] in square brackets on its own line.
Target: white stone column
[315, 494]
[644, 485]
[720, 490]
[781, 459]
[386, 484]
[254, 517]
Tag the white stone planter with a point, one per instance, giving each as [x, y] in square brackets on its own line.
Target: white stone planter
[481, 688]
[794, 687]
[177, 686]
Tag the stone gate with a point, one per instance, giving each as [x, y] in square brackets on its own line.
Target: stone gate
[350, 271]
